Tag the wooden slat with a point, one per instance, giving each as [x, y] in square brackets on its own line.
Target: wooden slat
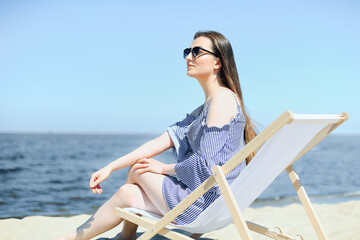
[306, 203]
[267, 232]
[231, 203]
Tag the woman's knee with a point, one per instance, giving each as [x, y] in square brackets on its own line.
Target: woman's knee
[132, 176]
[128, 194]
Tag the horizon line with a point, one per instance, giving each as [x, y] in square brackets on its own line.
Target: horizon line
[113, 133]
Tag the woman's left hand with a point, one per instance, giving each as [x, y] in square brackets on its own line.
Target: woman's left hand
[149, 165]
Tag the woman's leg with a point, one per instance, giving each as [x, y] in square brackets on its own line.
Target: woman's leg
[151, 183]
[129, 195]
[128, 230]
[141, 191]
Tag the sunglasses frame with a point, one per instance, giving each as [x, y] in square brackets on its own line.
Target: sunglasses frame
[187, 51]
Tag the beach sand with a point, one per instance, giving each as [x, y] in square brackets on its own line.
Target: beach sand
[340, 221]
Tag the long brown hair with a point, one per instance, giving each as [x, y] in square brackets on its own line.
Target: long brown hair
[229, 76]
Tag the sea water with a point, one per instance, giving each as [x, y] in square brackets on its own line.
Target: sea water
[48, 174]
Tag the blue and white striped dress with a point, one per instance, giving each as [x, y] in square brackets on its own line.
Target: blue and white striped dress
[197, 148]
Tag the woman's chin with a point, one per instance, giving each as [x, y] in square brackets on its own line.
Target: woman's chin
[190, 73]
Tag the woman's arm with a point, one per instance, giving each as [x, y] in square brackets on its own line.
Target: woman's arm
[151, 165]
[147, 150]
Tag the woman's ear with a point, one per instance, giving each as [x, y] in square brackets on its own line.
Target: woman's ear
[217, 65]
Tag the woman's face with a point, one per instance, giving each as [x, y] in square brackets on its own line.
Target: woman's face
[205, 64]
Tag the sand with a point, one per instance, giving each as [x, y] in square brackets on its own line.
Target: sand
[340, 221]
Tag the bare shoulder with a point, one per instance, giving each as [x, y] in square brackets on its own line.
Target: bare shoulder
[222, 108]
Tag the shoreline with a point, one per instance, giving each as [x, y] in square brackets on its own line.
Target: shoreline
[258, 203]
[340, 221]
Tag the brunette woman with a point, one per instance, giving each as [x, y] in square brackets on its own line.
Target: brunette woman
[208, 136]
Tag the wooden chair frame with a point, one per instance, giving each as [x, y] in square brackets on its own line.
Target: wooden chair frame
[218, 177]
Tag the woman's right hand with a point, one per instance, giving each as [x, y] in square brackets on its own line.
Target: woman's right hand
[97, 178]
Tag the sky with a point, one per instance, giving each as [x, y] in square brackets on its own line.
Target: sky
[117, 67]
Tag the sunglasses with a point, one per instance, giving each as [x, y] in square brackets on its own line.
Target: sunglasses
[195, 51]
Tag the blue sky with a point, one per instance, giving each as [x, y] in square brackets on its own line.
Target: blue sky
[116, 66]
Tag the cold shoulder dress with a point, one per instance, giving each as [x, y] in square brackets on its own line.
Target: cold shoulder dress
[197, 148]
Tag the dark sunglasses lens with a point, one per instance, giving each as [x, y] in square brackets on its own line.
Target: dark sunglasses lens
[195, 51]
[186, 52]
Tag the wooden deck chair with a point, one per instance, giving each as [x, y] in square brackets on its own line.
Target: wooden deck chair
[279, 145]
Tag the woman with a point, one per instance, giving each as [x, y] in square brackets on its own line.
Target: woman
[209, 136]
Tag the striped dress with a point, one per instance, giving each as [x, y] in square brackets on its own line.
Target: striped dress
[197, 148]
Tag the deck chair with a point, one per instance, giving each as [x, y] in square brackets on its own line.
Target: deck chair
[278, 146]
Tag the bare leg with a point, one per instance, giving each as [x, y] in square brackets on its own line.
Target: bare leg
[129, 195]
[150, 182]
[128, 231]
[141, 191]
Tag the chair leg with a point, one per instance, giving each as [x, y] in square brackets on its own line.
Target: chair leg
[231, 203]
[278, 235]
[306, 203]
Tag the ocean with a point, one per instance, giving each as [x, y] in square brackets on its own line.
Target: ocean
[48, 174]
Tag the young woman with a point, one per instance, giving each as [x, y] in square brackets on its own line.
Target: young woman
[209, 136]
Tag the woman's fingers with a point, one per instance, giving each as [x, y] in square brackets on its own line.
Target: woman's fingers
[143, 160]
[141, 167]
[95, 180]
[142, 170]
[146, 165]
[140, 164]
[92, 179]
[96, 189]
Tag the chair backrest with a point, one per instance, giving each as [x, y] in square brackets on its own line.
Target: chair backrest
[276, 154]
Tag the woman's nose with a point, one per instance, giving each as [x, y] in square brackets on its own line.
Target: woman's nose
[188, 58]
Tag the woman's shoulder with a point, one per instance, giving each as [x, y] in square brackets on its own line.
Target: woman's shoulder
[222, 108]
[224, 100]
[224, 95]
